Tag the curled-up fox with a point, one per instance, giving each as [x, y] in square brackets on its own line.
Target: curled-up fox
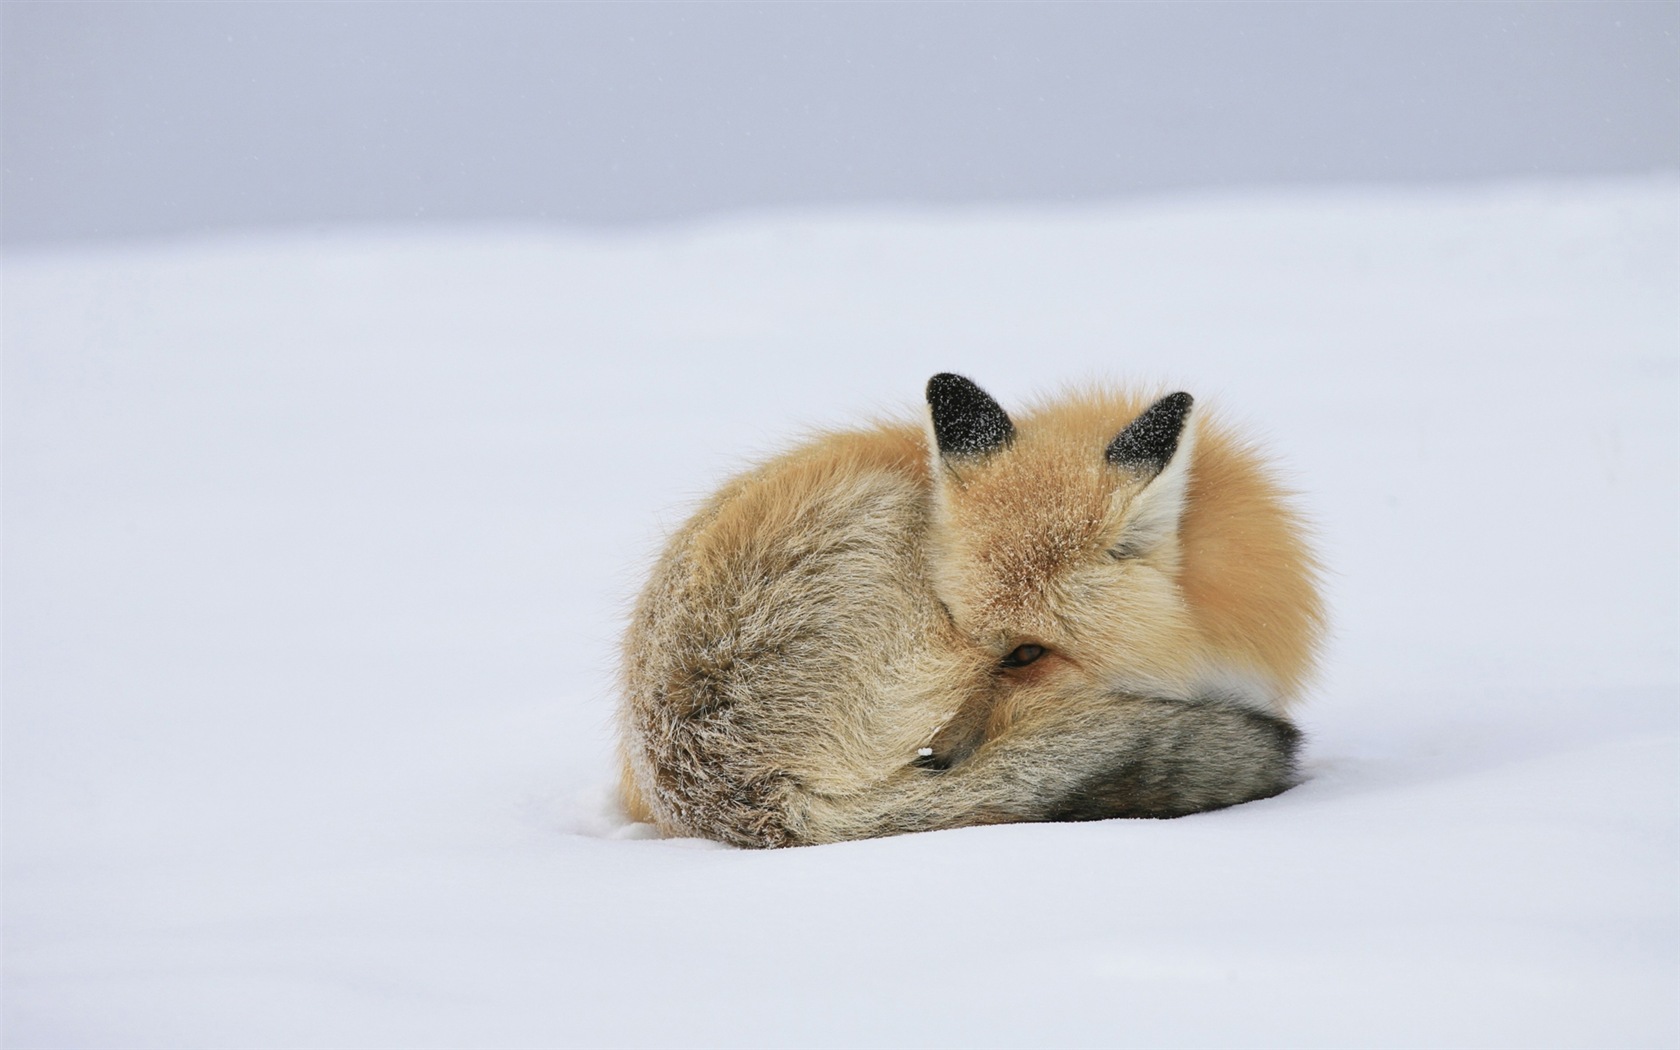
[1103, 608]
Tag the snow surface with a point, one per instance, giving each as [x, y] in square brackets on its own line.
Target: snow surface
[317, 548]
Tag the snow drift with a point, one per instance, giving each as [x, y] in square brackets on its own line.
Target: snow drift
[317, 548]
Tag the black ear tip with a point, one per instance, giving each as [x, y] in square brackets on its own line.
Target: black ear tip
[1150, 440]
[966, 421]
[947, 383]
[1170, 410]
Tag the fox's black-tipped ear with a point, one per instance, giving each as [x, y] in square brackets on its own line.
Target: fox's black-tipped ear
[1156, 448]
[1147, 444]
[966, 421]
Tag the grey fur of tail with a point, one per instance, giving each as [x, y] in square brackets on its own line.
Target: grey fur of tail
[1136, 758]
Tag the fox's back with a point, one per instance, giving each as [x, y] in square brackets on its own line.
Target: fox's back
[775, 646]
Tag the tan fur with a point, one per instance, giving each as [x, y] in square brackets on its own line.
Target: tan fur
[828, 614]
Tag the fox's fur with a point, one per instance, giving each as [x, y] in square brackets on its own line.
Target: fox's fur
[1104, 608]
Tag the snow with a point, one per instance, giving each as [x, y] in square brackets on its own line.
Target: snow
[317, 548]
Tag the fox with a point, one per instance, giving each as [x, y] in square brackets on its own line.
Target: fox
[1104, 608]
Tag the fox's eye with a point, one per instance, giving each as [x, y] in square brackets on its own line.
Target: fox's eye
[1022, 655]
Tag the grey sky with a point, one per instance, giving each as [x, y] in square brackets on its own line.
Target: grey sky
[124, 119]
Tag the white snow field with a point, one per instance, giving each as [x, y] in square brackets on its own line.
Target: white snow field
[317, 548]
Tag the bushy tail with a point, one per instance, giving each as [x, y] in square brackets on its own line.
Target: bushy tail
[1130, 757]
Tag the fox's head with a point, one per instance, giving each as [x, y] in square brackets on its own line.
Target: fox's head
[1118, 541]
